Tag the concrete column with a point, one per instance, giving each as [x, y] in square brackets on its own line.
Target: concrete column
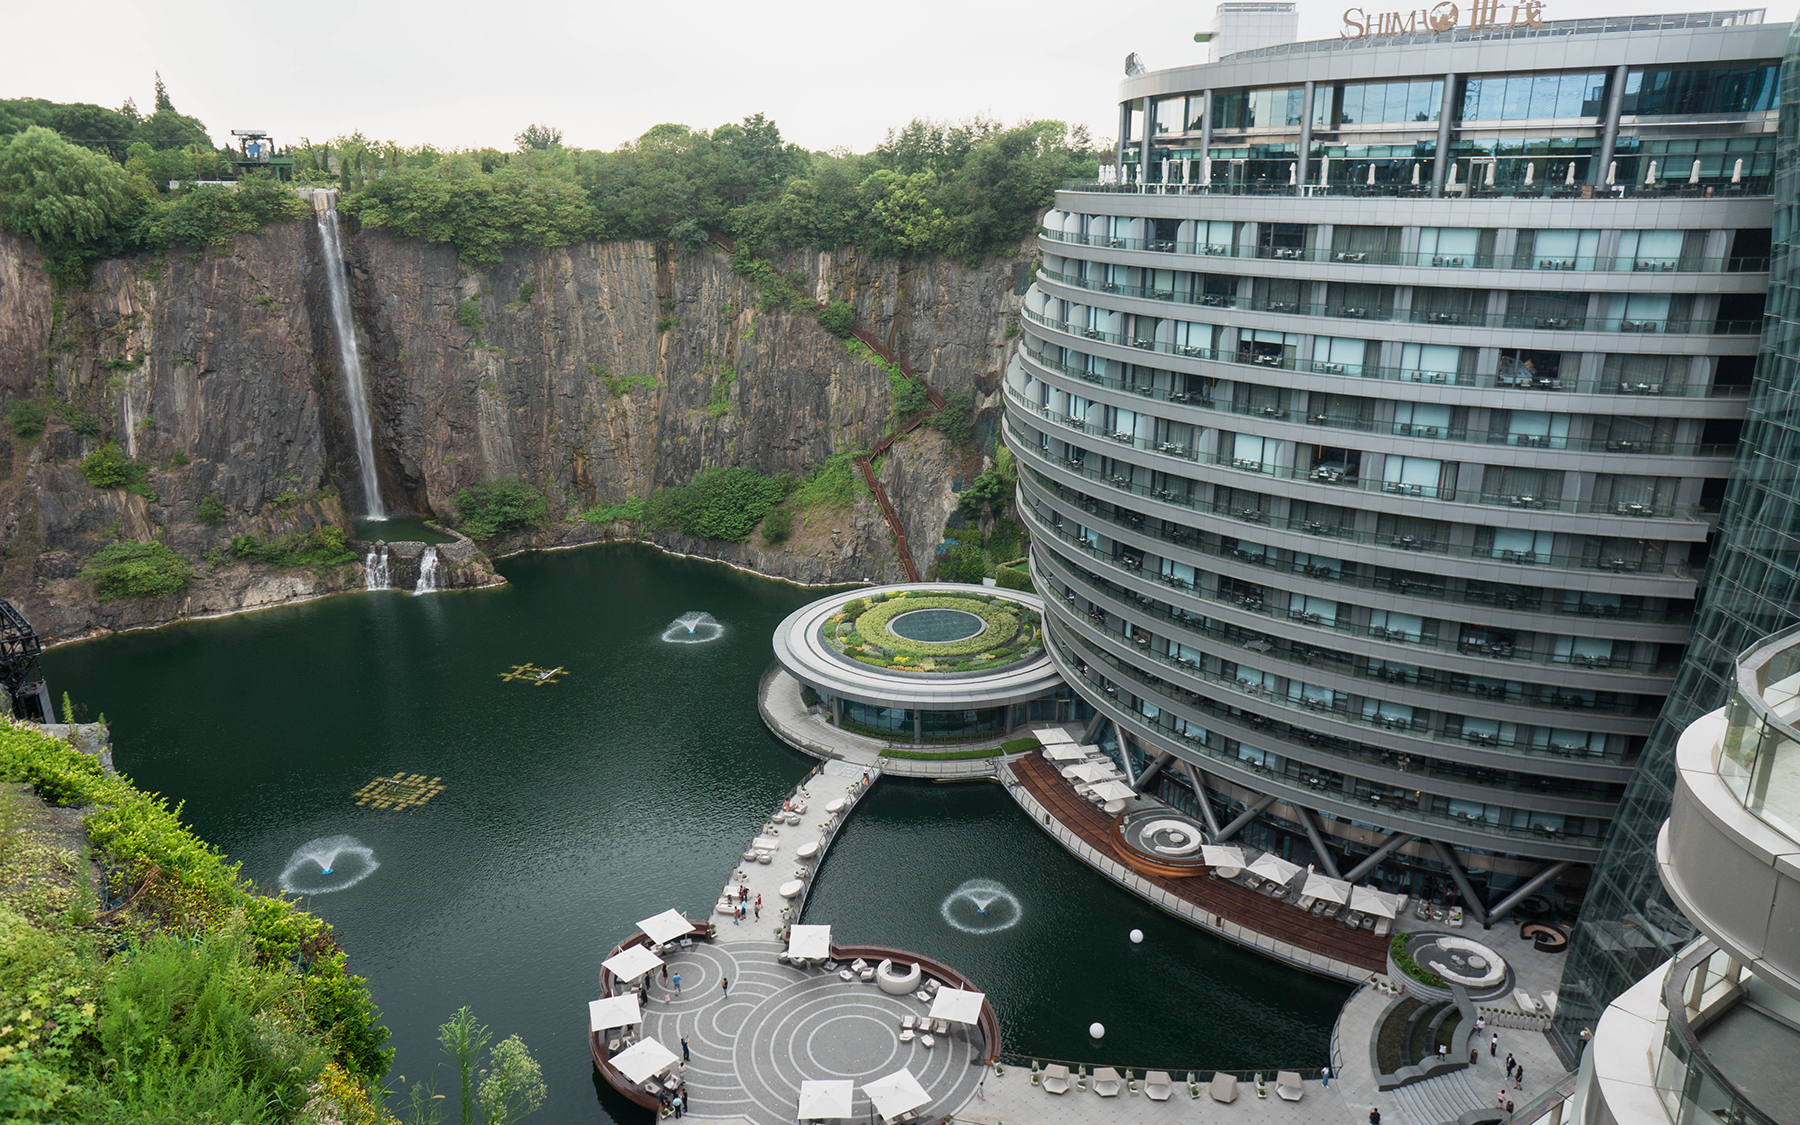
[1124, 137]
[1242, 819]
[1144, 146]
[918, 727]
[1326, 861]
[1440, 165]
[1393, 844]
[837, 711]
[1525, 890]
[1609, 135]
[1470, 898]
[1302, 174]
[1091, 733]
[1161, 763]
[1205, 136]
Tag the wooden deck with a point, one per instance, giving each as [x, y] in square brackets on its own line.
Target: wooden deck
[1232, 902]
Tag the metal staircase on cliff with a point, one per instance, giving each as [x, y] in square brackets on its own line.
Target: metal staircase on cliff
[869, 340]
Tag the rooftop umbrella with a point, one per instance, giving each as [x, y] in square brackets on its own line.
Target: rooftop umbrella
[1650, 176]
[1293, 170]
[1091, 771]
[1737, 171]
[1694, 173]
[1206, 180]
[896, 1093]
[1114, 791]
[1065, 753]
[1569, 179]
[1451, 182]
[1487, 179]
[1327, 888]
[666, 927]
[1415, 175]
[1047, 735]
[1271, 866]
[1371, 175]
[614, 1011]
[1371, 901]
[1222, 855]
[811, 942]
[957, 1005]
[1324, 170]
[825, 1099]
[1530, 172]
[644, 1058]
[1612, 173]
[631, 962]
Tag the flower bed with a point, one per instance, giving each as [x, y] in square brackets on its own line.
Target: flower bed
[860, 632]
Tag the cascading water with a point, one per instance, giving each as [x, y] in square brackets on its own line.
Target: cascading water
[375, 568]
[350, 362]
[428, 572]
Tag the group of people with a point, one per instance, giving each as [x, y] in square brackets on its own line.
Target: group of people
[744, 906]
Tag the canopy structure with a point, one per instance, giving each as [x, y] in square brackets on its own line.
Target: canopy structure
[1371, 901]
[896, 1093]
[631, 962]
[1327, 888]
[1114, 791]
[614, 1011]
[1091, 771]
[811, 942]
[1064, 752]
[825, 1099]
[666, 927]
[643, 1059]
[1222, 855]
[957, 1005]
[1047, 735]
[1271, 866]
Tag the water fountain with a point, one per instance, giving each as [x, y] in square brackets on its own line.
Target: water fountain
[357, 395]
[967, 907]
[313, 868]
[428, 572]
[375, 568]
[693, 629]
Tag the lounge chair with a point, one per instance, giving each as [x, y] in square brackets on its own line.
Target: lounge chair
[1287, 1086]
[1223, 1088]
[907, 1023]
[1056, 1079]
[1158, 1086]
[928, 1041]
[942, 1027]
[1106, 1082]
[906, 1036]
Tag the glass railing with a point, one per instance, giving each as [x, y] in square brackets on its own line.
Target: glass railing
[1281, 361]
[1685, 263]
[1640, 447]
[1759, 760]
[1705, 983]
[1547, 322]
[1387, 673]
[1714, 188]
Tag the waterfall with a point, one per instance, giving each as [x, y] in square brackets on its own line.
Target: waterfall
[428, 572]
[349, 362]
[375, 568]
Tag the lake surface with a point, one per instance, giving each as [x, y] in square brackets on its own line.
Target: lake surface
[626, 786]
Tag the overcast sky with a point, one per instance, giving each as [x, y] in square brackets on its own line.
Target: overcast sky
[460, 74]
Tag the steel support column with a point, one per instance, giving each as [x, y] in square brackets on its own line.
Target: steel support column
[1305, 816]
[1525, 891]
[1092, 731]
[1470, 898]
[1242, 819]
[1609, 135]
[1303, 166]
[1197, 778]
[1150, 771]
[1440, 163]
[1391, 845]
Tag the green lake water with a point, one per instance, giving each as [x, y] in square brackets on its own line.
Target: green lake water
[630, 785]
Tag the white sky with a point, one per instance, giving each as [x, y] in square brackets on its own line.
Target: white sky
[461, 74]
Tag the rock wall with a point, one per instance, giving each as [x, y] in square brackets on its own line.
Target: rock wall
[597, 372]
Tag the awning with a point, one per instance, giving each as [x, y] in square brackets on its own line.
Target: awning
[643, 1059]
[1048, 735]
[666, 927]
[957, 1005]
[1090, 771]
[631, 962]
[1114, 791]
[614, 1011]
[896, 1093]
[1371, 901]
[1064, 752]
[1271, 866]
[825, 1099]
[1327, 888]
[1222, 855]
[810, 942]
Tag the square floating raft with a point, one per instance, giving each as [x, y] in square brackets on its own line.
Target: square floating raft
[402, 791]
[532, 674]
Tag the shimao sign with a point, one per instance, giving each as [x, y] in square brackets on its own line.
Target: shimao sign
[1441, 17]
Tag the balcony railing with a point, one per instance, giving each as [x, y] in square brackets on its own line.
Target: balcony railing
[1715, 188]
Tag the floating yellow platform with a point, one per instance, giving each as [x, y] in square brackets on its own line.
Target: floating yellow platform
[402, 791]
[532, 674]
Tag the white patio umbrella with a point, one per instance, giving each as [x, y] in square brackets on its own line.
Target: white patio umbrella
[1415, 182]
[1487, 180]
[821, 1099]
[1324, 170]
[1187, 168]
[666, 927]
[810, 942]
[1047, 735]
[1271, 866]
[1451, 182]
[1165, 170]
[1612, 173]
[1530, 172]
[958, 1005]
[643, 1059]
[1327, 888]
[1371, 901]
[1293, 171]
[1371, 175]
[1737, 171]
[1569, 178]
[1694, 173]
[1222, 855]
[1650, 176]
[1114, 791]
[631, 962]
[1065, 753]
[1091, 771]
[614, 1011]
[1206, 173]
[896, 1093]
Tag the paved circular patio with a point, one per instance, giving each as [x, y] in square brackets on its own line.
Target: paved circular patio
[752, 1048]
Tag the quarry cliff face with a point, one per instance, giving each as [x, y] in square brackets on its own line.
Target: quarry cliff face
[596, 372]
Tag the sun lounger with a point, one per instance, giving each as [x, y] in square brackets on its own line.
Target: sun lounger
[1524, 1001]
[1106, 1082]
[1056, 1079]
[942, 1028]
[1158, 1086]
[907, 1023]
[928, 1041]
[1287, 1086]
[1223, 1088]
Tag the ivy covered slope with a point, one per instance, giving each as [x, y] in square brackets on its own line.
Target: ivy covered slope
[142, 979]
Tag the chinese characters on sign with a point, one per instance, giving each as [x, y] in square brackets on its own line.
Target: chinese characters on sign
[1441, 17]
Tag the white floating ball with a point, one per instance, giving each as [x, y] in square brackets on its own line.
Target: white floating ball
[1097, 1030]
[1137, 937]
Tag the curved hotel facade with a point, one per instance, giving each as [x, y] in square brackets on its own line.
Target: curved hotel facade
[1372, 430]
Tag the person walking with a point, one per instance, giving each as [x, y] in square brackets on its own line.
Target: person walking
[1325, 1077]
[1500, 1100]
[1494, 1046]
[678, 984]
[1510, 1064]
[759, 908]
[725, 986]
[1519, 1078]
[1480, 1024]
[1375, 1116]
[684, 1049]
[676, 1102]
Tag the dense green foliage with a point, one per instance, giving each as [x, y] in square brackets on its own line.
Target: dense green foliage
[26, 417]
[1002, 618]
[838, 318]
[319, 548]
[211, 511]
[778, 524]
[1403, 960]
[500, 507]
[109, 467]
[956, 420]
[837, 485]
[721, 503]
[195, 1000]
[137, 570]
[630, 510]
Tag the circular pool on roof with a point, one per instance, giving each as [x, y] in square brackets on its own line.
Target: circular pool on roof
[937, 626]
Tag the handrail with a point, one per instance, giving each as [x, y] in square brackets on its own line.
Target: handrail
[1749, 187]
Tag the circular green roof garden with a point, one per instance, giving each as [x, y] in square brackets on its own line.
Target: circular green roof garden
[934, 631]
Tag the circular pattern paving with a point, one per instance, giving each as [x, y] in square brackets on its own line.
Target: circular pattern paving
[1165, 836]
[936, 626]
[778, 1026]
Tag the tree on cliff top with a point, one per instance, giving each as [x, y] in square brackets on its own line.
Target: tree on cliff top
[68, 198]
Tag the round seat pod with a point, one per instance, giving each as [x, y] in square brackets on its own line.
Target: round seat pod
[808, 849]
[790, 888]
[896, 981]
[835, 805]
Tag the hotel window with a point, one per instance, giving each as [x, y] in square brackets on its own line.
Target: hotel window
[1372, 102]
[1456, 246]
[1418, 476]
[1427, 420]
[1514, 545]
[1659, 250]
[1374, 244]
[1436, 363]
[1529, 96]
[1168, 115]
[1556, 249]
[1701, 90]
[1236, 110]
[1524, 488]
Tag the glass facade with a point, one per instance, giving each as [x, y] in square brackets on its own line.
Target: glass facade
[1628, 925]
[1670, 92]
[1526, 96]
